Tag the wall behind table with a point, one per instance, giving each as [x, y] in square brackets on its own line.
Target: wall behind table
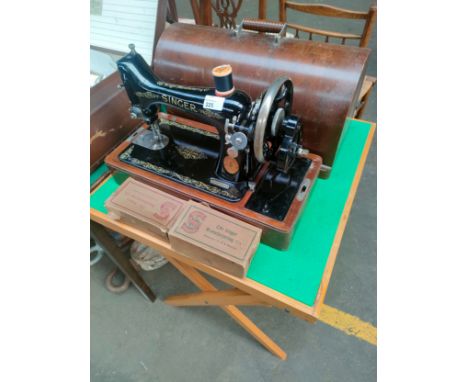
[117, 23]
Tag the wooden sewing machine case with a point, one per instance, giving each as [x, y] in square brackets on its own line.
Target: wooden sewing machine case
[327, 77]
[110, 122]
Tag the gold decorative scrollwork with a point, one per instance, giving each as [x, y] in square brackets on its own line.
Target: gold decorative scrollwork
[127, 157]
[147, 95]
[182, 87]
[190, 153]
[210, 114]
[189, 128]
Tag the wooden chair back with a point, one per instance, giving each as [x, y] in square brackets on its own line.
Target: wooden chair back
[329, 11]
[226, 10]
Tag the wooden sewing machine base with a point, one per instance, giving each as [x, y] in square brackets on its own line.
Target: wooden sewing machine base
[276, 233]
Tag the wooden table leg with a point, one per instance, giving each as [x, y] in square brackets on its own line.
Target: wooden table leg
[202, 283]
[102, 237]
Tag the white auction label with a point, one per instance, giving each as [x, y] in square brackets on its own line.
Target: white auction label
[213, 103]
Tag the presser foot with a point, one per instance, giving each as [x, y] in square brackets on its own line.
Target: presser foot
[151, 140]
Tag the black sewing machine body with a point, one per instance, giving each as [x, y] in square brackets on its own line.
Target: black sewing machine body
[147, 94]
[255, 147]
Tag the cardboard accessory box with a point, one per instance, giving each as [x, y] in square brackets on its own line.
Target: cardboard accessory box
[145, 207]
[215, 239]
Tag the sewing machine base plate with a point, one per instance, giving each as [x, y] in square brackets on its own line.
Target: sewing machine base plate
[184, 170]
[180, 161]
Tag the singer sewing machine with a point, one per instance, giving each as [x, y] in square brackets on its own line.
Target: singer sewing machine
[241, 156]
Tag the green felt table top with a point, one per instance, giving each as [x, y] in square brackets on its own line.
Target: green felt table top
[96, 174]
[297, 272]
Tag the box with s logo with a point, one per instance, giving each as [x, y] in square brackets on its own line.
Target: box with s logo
[144, 207]
[215, 239]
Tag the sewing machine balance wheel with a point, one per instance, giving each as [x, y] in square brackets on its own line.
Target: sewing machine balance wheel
[281, 89]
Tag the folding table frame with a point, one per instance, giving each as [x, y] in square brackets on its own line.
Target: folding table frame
[243, 291]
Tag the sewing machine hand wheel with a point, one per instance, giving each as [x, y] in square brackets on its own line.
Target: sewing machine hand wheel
[271, 114]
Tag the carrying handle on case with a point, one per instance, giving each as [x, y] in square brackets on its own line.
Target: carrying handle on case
[264, 26]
